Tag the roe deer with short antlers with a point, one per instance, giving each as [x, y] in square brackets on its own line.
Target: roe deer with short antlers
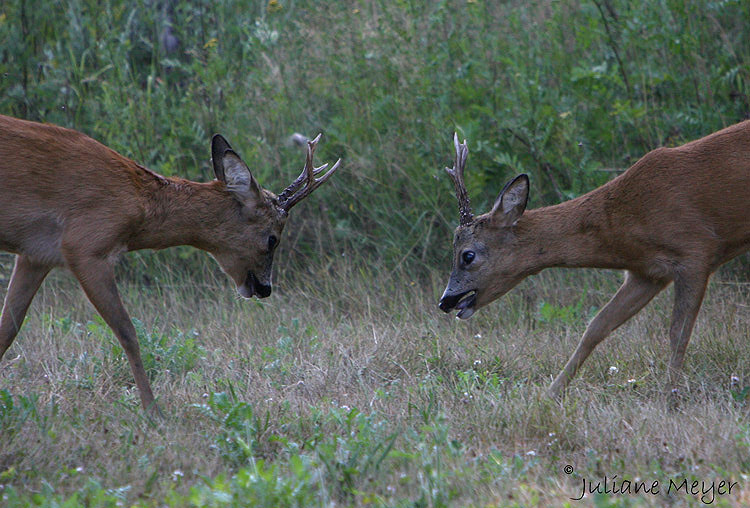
[675, 216]
[67, 200]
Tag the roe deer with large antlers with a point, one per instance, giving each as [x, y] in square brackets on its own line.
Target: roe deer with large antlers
[67, 200]
[675, 216]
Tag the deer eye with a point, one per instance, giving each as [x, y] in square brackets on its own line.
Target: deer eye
[468, 256]
[272, 242]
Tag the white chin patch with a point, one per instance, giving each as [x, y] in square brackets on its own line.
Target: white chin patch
[244, 291]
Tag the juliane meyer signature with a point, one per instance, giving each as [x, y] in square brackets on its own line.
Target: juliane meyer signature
[705, 491]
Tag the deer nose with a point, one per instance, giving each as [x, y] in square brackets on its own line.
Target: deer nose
[448, 302]
[262, 290]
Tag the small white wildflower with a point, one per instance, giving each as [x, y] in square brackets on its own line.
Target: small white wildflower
[477, 363]
[734, 380]
[531, 453]
[345, 407]
[551, 434]
[631, 381]
[79, 469]
[177, 474]
[478, 336]
[613, 370]
[205, 395]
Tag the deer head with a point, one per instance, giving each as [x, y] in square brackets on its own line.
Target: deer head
[486, 257]
[262, 215]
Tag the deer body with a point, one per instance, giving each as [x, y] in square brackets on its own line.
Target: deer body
[69, 201]
[675, 216]
[63, 192]
[671, 209]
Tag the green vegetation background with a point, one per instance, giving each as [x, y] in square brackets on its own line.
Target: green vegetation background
[570, 92]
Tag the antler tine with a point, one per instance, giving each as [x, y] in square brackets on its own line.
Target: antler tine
[295, 185]
[457, 175]
[307, 179]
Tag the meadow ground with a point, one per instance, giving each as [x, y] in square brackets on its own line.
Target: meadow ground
[349, 387]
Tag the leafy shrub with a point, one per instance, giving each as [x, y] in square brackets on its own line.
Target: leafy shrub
[240, 429]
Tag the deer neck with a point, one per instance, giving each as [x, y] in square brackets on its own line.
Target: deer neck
[570, 234]
[181, 212]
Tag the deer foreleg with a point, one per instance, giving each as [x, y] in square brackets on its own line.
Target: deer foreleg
[688, 297]
[24, 283]
[632, 296]
[97, 278]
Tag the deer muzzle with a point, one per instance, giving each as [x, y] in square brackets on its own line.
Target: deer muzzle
[464, 302]
[253, 287]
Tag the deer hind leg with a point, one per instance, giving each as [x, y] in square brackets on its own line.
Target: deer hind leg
[97, 278]
[24, 283]
[688, 297]
[632, 296]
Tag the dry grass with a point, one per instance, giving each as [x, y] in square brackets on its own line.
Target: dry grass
[465, 401]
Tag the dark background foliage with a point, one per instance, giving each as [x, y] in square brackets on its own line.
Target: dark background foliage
[570, 92]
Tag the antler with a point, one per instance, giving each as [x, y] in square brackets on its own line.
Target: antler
[457, 175]
[306, 180]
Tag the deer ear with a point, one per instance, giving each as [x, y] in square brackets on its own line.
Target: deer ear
[511, 203]
[219, 145]
[230, 169]
[240, 182]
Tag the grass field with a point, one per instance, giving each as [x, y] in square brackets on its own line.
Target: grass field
[354, 389]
